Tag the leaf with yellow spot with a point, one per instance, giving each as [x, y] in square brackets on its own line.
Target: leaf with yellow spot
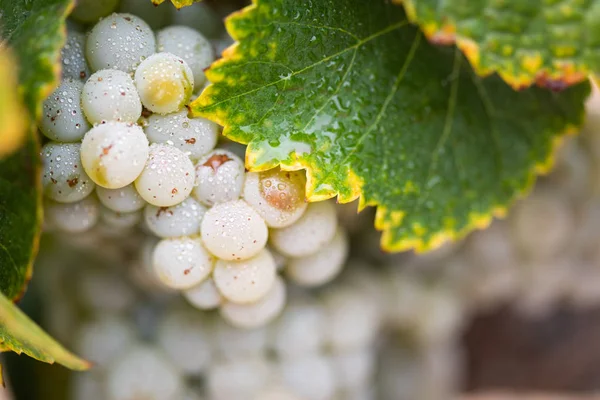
[352, 92]
[554, 43]
[20, 334]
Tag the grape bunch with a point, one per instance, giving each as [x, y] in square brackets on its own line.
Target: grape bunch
[124, 154]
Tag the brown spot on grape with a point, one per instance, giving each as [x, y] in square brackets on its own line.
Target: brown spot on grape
[216, 160]
[283, 190]
[190, 141]
[163, 210]
[174, 191]
[82, 74]
[72, 182]
[105, 150]
[53, 180]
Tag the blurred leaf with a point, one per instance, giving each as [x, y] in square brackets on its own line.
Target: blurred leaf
[13, 117]
[177, 3]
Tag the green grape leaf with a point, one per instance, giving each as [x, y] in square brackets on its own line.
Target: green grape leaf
[177, 3]
[552, 43]
[35, 31]
[353, 93]
[13, 117]
[20, 334]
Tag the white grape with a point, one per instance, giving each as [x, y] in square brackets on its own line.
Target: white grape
[156, 16]
[72, 55]
[119, 41]
[190, 45]
[352, 319]
[311, 377]
[110, 95]
[143, 373]
[164, 82]
[88, 386]
[193, 136]
[219, 177]
[233, 231]
[104, 338]
[277, 393]
[355, 368]
[181, 263]
[234, 344]
[72, 217]
[278, 196]
[254, 315]
[182, 336]
[114, 154]
[63, 177]
[300, 330]
[124, 200]
[182, 219]
[62, 116]
[322, 266]
[245, 281]
[89, 11]
[239, 380]
[119, 220]
[104, 291]
[203, 296]
[167, 178]
[312, 231]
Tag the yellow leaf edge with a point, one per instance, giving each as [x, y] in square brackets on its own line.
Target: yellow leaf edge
[19, 326]
[384, 220]
[560, 75]
[177, 3]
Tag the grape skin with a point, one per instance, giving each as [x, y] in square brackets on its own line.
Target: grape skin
[107, 48]
[110, 95]
[167, 178]
[114, 154]
[124, 200]
[182, 219]
[74, 217]
[233, 231]
[203, 296]
[164, 82]
[245, 281]
[62, 116]
[181, 263]
[219, 177]
[72, 55]
[63, 178]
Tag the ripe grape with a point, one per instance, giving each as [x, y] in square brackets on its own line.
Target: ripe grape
[278, 196]
[254, 315]
[62, 116]
[124, 200]
[311, 232]
[164, 83]
[143, 373]
[203, 296]
[322, 266]
[114, 154]
[191, 46]
[168, 177]
[242, 379]
[119, 41]
[219, 177]
[234, 344]
[193, 136]
[110, 95]
[63, 178]
[233, 231]
[72, 57]
[182, 219]
[181, 263]
[72, 217]
[245, 281]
